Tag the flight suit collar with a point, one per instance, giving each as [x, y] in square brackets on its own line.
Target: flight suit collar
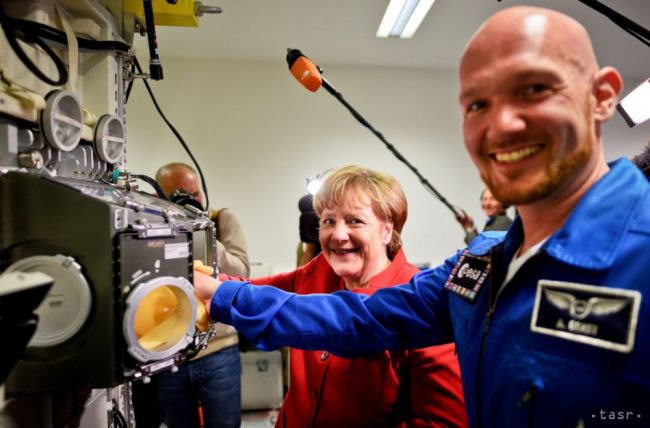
[594, 230]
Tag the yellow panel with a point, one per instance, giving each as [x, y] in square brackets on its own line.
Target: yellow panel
[180, 14]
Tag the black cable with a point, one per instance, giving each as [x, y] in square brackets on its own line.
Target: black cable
[54, 34]
[635, 35]
[32, 32]
[636, 30]
[176, 133]
[153, 183]
[12, 35]
[118, 417]
[390, 147]
[155, 68]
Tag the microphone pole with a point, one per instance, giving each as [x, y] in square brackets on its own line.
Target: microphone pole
[310, 76]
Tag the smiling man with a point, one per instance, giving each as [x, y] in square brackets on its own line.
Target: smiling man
[533, 105]
[551, 320]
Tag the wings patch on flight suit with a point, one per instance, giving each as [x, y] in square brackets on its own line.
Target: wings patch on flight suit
[599, 316]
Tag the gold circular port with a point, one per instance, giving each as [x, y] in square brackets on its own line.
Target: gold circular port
[162, 318]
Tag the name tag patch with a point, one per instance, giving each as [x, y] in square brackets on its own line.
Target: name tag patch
[468, 276]
[594, 315]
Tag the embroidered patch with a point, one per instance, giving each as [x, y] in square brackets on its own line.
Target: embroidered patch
[598, 316]
[468, 276]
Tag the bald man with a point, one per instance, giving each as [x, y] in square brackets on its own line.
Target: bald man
[213, 377]
[552, 319]
[179, 176]
[232, 254]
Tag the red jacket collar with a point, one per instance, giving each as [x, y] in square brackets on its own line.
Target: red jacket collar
[385, 278]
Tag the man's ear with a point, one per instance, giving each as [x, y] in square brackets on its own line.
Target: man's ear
[607, 86]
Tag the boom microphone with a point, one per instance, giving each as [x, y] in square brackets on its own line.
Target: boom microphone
[310, 76]
[305, 71]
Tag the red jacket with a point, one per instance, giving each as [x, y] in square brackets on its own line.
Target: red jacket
[390, 389]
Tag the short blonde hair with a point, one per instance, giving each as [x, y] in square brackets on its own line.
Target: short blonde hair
[387, 197]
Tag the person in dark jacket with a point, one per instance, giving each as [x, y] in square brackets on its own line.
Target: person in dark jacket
[497, 218]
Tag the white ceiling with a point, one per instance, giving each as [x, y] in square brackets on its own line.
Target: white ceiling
[343, 32]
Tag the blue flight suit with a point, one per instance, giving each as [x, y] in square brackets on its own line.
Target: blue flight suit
[565, 343]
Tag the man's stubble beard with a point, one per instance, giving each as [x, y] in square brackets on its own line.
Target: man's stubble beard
[556, 175]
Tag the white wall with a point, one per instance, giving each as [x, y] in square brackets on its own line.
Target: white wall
[258, 135]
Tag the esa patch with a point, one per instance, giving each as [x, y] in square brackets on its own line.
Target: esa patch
[468, 276]
[598, 316]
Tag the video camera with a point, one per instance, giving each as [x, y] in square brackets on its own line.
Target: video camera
[183, 198]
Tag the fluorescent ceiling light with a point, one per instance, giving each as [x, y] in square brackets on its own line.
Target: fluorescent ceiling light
[635, 107]
[403, 17]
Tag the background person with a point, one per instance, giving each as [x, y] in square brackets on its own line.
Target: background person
[362, 213]
[180, 176]
[551, 319]
[232, 253]
[309, 246]
[497, 217]
[213, 377]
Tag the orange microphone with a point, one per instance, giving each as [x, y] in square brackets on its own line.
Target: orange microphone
[305, 71]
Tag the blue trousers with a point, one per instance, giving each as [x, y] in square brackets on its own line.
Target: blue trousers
[214, 381]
